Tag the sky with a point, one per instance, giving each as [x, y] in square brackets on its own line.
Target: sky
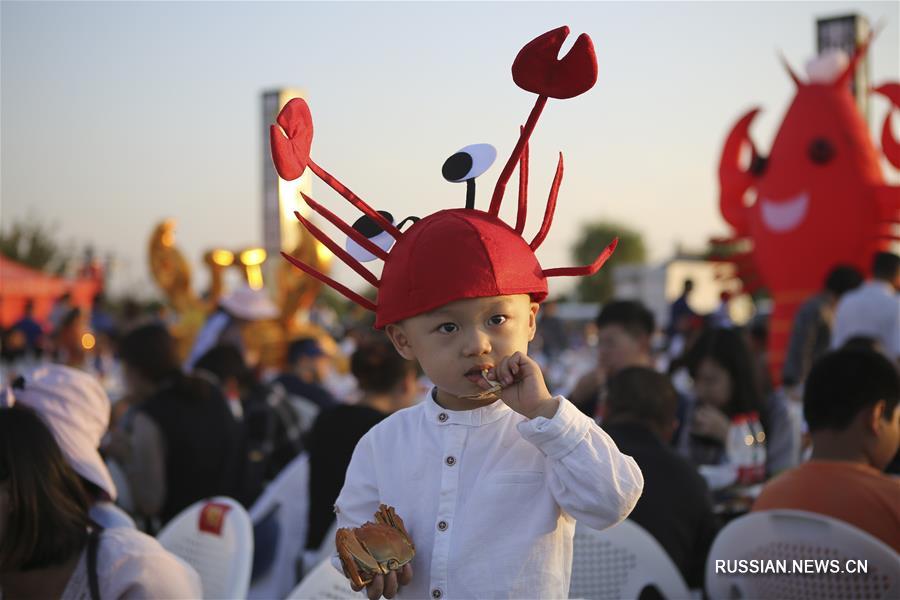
[116, 115]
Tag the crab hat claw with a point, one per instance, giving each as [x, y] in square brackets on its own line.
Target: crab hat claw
[537, 68]
[291, 154]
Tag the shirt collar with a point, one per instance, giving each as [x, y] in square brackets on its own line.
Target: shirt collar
[881, 285]
[438, 415]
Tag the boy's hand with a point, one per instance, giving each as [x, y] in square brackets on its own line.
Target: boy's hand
[524, 389]
[387, 585]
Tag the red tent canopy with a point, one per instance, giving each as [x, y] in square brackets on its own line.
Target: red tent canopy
[19, 283]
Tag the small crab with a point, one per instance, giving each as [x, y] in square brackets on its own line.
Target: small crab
[488, 393]
[374, 548]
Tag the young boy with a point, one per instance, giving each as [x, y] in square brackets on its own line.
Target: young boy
[489, 480]
[851, 402]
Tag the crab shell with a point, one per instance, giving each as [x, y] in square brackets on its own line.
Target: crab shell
[374, 548]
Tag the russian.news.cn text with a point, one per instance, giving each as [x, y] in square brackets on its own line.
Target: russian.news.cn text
[808, 566]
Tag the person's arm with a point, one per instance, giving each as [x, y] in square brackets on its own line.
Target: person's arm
[892, 343]
[799, 347]
[134, 566]
[146, 469]
[586, 473]
[584, 394]
[705, 531]
[357, 502]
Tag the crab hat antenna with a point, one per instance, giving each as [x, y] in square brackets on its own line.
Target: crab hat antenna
[522, 211]
[538, 70]
[551, 206]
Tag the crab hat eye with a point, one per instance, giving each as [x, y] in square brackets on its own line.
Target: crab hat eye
[376, 235]
[469, 163]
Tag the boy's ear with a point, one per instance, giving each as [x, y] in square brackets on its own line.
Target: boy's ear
[532, 320]
[874, 416]
[400, 339]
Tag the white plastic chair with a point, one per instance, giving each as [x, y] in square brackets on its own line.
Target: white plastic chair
[124, 498]
[794, 535]
[288, 497]
[215, 537]
[325, 551]
[617, 563]
[324, 582]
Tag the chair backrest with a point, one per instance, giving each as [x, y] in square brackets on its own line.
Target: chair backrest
[124, 498]
[790, 550]
[619, 562]
[215, 537]
[324, 582]
[284, 503]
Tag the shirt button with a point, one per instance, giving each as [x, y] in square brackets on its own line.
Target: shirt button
[442, 418]
[450, 461]
[436, 593]
[442, 525]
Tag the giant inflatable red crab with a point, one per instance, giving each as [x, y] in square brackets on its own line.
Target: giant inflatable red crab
[818, 200]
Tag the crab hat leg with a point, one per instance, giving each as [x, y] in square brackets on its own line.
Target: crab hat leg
[290, 153]
[352, 233]
[586, 269]
[337, 250]
[339, 288]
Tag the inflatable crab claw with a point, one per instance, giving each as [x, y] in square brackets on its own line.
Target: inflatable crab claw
[291, 154]
[537, 68]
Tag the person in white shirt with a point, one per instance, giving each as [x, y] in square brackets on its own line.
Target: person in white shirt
[490, 472]
[49, 546]
[873, 309]
[489, 489]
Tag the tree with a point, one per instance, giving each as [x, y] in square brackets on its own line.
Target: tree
[594, 238]
[32, 243]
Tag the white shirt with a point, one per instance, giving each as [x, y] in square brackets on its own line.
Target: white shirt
[132, 565]
[871, 310]
[489, 497]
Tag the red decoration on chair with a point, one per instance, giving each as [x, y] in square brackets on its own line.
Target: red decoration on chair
[212, 518]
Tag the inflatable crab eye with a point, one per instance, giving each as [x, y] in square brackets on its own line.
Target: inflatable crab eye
[820, 151]
[376, 235]
[469, 163]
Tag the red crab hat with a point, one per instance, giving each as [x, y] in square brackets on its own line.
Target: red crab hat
[456, 253]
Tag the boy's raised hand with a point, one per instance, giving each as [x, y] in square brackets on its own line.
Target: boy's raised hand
[524, 389]
[387, 585]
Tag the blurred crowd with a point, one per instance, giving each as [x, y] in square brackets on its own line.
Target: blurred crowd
[139, 433]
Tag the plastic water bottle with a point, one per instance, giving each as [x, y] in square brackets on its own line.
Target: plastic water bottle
[759, 447]
[739, 448]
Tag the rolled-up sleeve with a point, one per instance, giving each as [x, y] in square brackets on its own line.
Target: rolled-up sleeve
[587, 474]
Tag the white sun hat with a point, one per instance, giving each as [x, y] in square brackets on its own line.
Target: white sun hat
[249, 304]
[76, 408]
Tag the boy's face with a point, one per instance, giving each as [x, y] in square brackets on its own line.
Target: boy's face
[618, 349]
[456, 341]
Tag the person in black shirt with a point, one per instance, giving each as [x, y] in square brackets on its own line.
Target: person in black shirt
[308, 365]
[182, 443]
[388, 383]
[675, 506]
[271, 428]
